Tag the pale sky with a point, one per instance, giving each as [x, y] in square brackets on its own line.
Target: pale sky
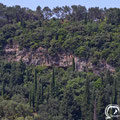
[32, 4]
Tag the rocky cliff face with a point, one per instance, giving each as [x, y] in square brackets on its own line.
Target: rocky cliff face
[41, 57]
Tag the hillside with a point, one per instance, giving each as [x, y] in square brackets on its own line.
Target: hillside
[41, 57]
[58, 64]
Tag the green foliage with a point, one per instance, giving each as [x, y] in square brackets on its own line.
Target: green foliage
[3, 88]
[59, 93]
[31, 92]
[100, 32]
[53, 83]
[73, 64]
[13, 110]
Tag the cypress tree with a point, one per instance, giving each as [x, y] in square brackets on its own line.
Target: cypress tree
[22, 23]
[87, 99]
[34, 89]
[95, 111]
[11, 83]
[53, 83]
[39, 96]
[30, 98]
[3, 88]
[36, 101]
[85, 19]
[115, 92]
[41, 92]
[33, 98]
[47, 94]
[22, 66]
[35, 81]
[27, 75]
[73, 64]
[102, 103]
[93, 105]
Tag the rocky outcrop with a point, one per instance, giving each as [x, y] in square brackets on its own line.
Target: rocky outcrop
[40, 56]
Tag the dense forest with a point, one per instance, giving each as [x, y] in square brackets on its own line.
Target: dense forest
[35, 92]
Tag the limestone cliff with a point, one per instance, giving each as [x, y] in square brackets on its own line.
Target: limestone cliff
[40, 56]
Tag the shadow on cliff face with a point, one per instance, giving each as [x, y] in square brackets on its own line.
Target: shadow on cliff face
[41, 57]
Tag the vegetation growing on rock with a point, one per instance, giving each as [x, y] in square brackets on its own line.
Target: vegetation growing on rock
[35, 92]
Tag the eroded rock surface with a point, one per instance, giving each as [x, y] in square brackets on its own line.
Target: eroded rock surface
[41, 57]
